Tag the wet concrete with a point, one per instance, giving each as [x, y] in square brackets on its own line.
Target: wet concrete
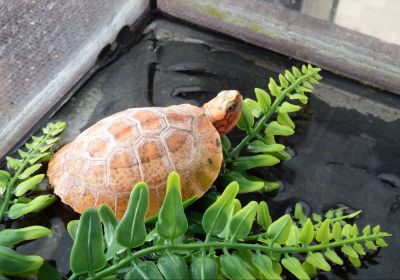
[346, 150]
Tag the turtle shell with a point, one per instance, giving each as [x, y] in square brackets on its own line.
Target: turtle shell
[143, 144]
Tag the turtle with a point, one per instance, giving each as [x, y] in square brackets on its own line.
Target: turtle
[104, 162]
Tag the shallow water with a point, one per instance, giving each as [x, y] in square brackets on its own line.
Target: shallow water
[345, 152]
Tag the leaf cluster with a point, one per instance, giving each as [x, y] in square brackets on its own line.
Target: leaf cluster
[229, 248]
[260, 145]
[18, 195]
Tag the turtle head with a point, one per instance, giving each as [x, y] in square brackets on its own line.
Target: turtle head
[224, 110]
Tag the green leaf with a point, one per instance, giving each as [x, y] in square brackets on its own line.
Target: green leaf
[242, 221]
[354, 231]
[337, 231]
[273, 87]
[297, 96]
[173, 266]
[285, 120]
[282, 80]
[13, 163]
[29, 171]
[87, 255]
[299, 214]
[253, 106]
[307, 233]
[13, 263]
[52, 140]
[293, 238]
[233, 268]
[45, 148]
[235, 207]
[376, 229]
[277, 267]
[366, 230]
[294, 266]
[289, 76]
[346, 249]
[246, 120]
[109, 222]
[172, 220]
[22, 153]
[258, 146]
[41, 157]
[296, 72]
[309, 269]
[263, 217]
[279, 230]
[4, 179]
[323, 235]
[318, 260]
[39, 203]
[264, 265]
[286, 107]
[203, 268]
[317, 217]
[47, 271]
[355, 261]
[263, 98]
[246, 183]
[131, 230]
[331, 254]
[72, 228]
[244, 163]
[14, 236]
[303, 69]
[380, 242]
[274, 128]
[370, 245]
[4, 175]
[28, 185]
[359, 249]
[308, 85]
[225, 142]
[216, 216]
[145, 270]
[246, 256]
[346, 230]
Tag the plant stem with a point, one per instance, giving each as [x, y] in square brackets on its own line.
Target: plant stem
[231, 245]
[261, 122]
[14, 179]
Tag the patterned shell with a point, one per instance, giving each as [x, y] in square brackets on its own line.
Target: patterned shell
[145, 144]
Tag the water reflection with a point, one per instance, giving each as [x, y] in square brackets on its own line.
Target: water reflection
[378, 19]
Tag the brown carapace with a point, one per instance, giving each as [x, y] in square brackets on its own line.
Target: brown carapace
[144, 144]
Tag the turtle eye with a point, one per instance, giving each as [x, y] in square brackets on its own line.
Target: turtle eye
[232, 108]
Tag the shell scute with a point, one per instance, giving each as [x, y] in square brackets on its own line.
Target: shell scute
[154, 161]
[203, 126]
[124, 131]
[183, 121]
[124, 170]
[121, 203]
[107, 197]
[96, 174]
[149, 121]
[181, 148]
[89, 197]
[99, 147]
